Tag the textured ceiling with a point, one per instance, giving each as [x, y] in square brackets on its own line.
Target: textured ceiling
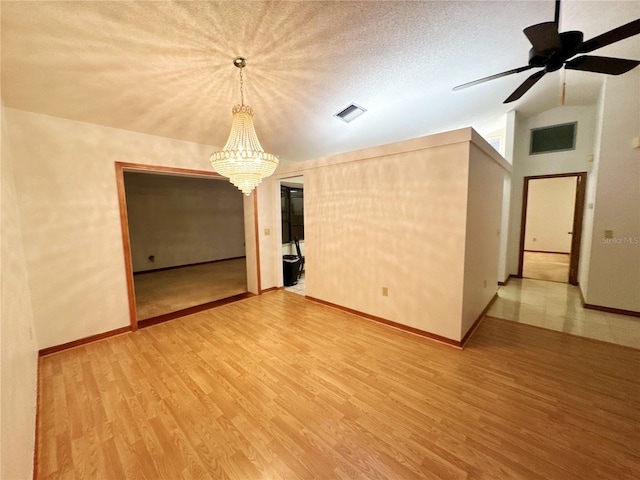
[165, 68]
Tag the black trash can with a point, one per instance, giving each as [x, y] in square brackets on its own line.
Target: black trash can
[290, 269]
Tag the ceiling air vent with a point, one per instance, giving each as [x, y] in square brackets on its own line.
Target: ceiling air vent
[349, 113]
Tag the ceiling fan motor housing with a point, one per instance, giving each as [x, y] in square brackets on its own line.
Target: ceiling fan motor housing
[553, 59]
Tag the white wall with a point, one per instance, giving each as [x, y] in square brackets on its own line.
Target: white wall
[182, 220]
[590, 198]
[550, 207]
[525, 165]
[614, 273]
[67, 197]
[18, 348]
[482, 244]
[395, 216]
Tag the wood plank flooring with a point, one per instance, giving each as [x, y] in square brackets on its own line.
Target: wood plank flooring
[546, 266]
[275, 386]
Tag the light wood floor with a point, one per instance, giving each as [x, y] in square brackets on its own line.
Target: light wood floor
[276, 386]
[546, 266]
[166, 291]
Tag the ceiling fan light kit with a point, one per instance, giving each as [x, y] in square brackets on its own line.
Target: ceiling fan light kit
[243, 160]
[552, 50]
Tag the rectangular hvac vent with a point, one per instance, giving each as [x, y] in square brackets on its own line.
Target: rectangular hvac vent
[555, 138]
[350, 113]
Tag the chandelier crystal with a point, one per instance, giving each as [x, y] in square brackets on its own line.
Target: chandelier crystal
[243, 160]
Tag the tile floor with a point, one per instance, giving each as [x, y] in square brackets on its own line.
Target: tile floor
[558, 306]
[298, 287]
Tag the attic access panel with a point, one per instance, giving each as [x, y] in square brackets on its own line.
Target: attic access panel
[555, 138]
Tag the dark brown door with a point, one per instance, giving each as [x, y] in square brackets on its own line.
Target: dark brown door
[578, 213]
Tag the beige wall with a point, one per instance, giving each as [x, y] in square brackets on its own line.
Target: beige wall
[66, 191]
[614, 272]
[525, 165]
[396, 216]
[182, 220]
[482, 236]
[18, 347]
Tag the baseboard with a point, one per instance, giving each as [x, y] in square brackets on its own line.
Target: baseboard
[147, 322]
[143, 323]
[83, 341]
[390, 323]
[619, 311]
[271, 289]
[546, 251]
[589, 306]
[502, 284]
[475, 325]
[154, 270]
[36, 447]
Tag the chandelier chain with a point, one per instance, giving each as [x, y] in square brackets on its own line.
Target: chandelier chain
[241, 89]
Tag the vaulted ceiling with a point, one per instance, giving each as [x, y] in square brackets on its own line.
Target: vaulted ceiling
[165, 68]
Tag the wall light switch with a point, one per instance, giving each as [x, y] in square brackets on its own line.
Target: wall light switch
[385, 291]
[608, 234]
[267, 231]
[636, 142]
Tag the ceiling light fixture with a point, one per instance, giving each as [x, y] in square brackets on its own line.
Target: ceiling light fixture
[243, 160]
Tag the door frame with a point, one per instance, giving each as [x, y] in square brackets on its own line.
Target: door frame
[578, 213]
[122, 167]
[278, 214]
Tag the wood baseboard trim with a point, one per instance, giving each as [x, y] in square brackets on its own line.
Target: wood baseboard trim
[619, 311]
[36, 447]
[475, 325]
[547, 251]
[83, 341]
[154, 270]
[271, 289]
[147, 322]
[431, 336]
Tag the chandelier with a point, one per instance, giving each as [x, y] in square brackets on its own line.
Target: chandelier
[243, 160]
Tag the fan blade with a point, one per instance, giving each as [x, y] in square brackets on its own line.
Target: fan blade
[526, 85]
[608, 65]
[624, 31]
[544, 36]
[492, 77]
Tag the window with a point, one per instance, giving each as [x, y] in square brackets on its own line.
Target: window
[555, 138]
[292, 204]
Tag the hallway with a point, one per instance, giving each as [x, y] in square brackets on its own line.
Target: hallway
[558, 306]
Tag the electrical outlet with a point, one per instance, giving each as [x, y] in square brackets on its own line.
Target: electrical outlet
[385, 291]
[267, 231]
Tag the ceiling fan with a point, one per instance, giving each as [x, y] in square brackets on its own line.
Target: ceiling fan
[552, 50]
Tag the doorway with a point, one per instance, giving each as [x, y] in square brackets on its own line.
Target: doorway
[293, 238]
[184, 241]
[552, 211]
